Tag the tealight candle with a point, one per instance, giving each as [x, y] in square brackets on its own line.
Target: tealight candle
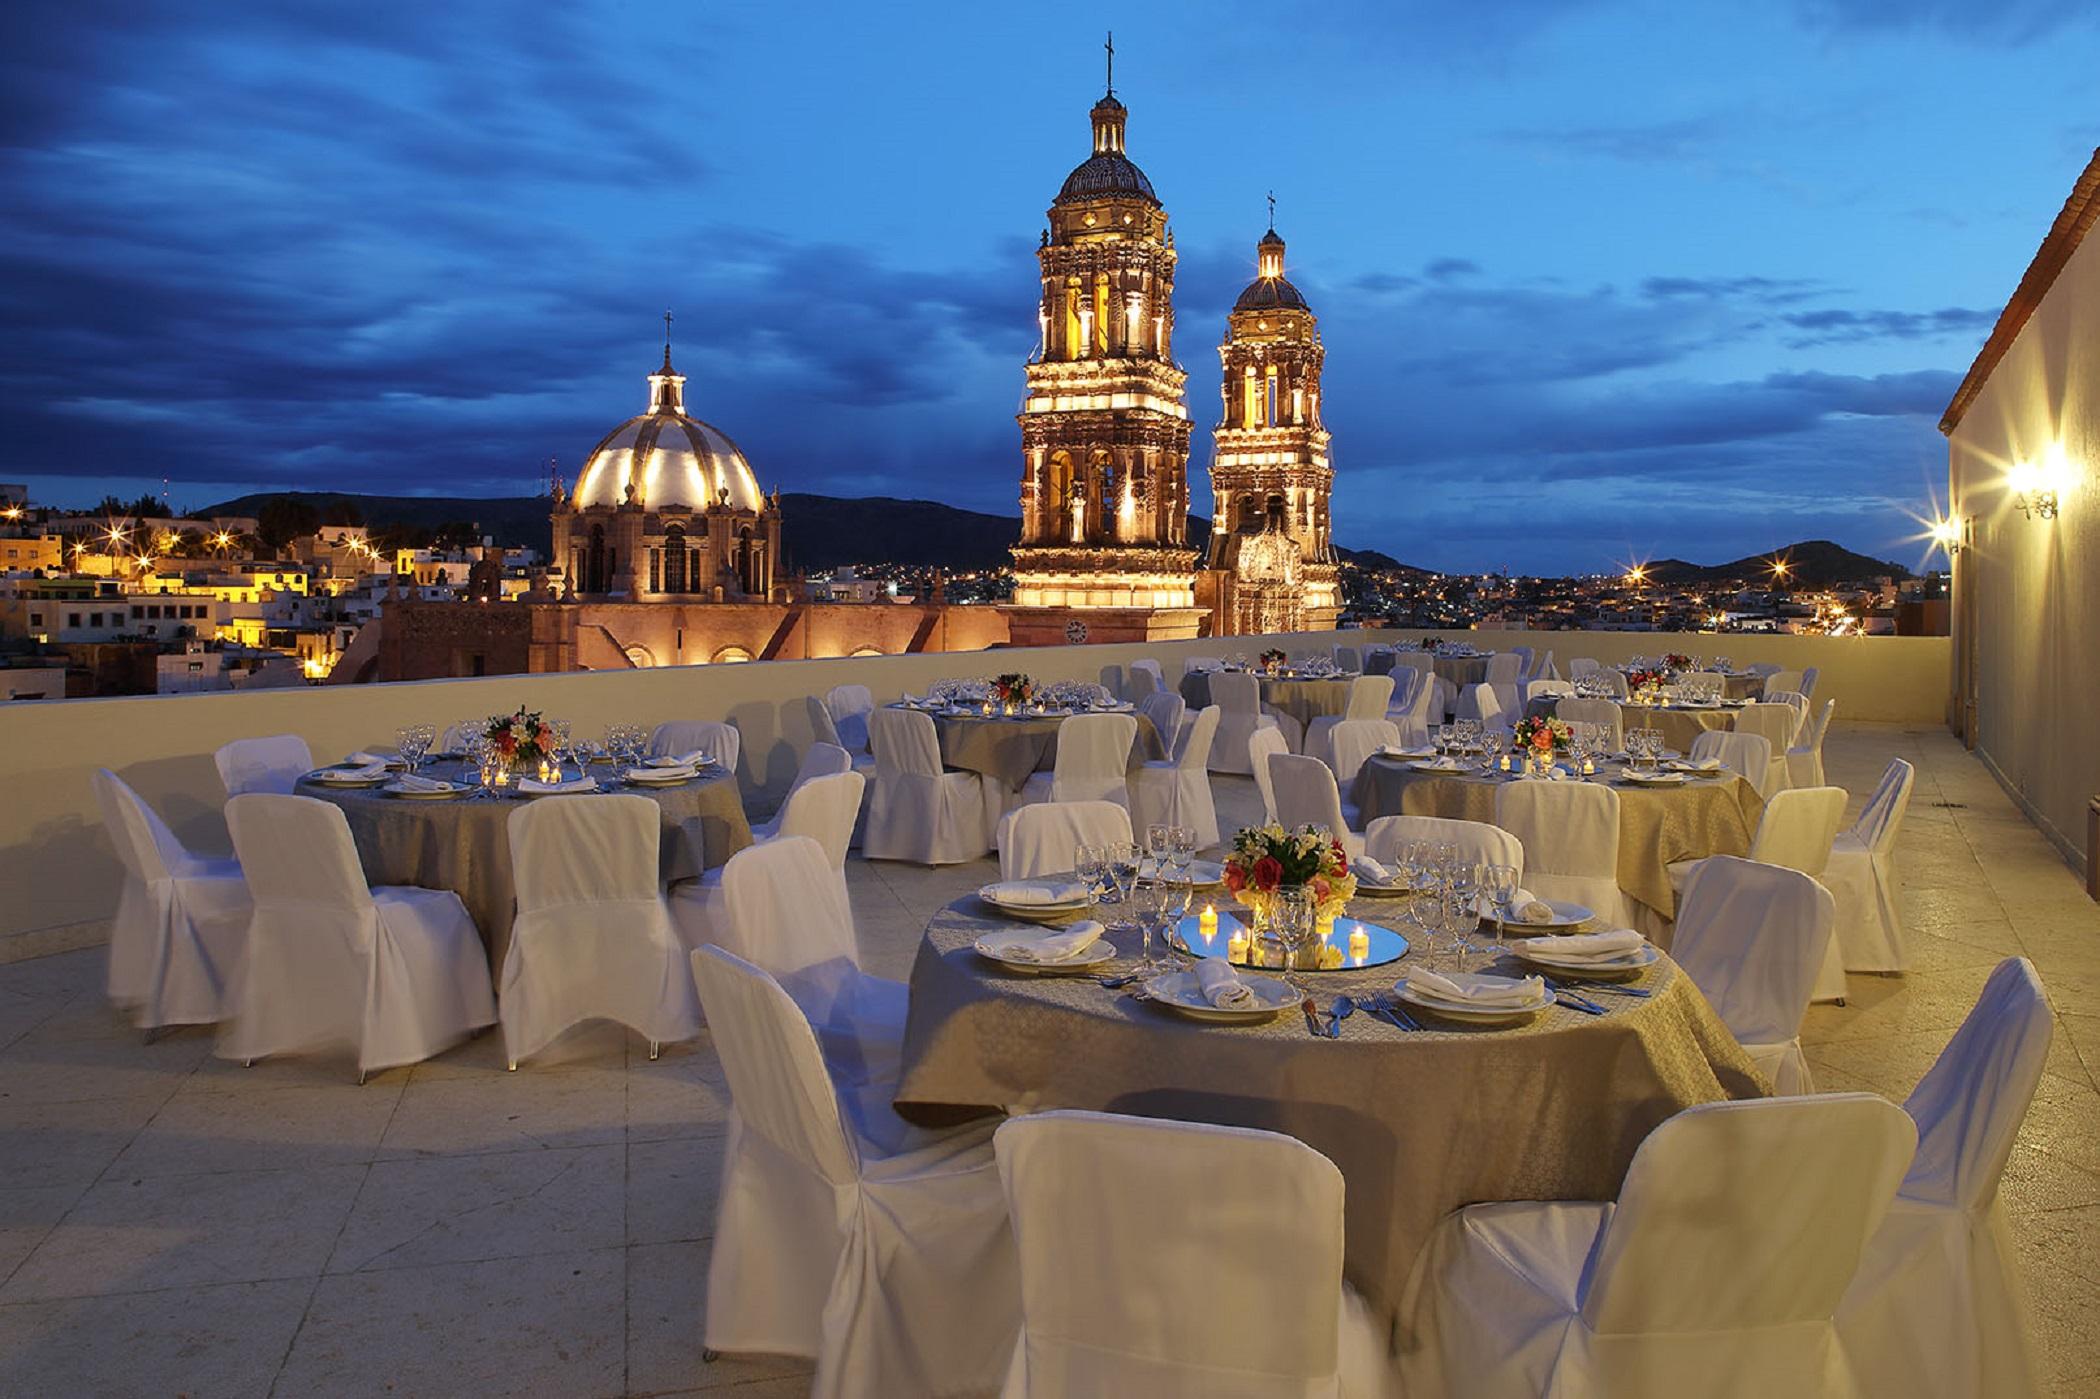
[1359, 944]
[1207, 923]
[1237, 947]
[1589, 767]
[1503, 762]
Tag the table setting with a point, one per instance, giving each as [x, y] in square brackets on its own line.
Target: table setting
[1006, 727]
[1526, 1061]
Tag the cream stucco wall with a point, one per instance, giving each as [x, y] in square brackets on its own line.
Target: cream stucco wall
[2034, 585]
[57, 871]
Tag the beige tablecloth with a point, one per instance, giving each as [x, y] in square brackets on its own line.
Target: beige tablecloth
[464, 845]
[1680, 727]
[1657, 825]
[1303, 700]
[1458, 670]
[1012, 750]
[1419, 1124]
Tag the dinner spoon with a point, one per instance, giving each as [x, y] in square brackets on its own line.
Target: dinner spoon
[1341, 1010]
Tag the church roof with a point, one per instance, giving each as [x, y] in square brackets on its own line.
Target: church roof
[672, 459]
[1270, 294]
[1105, 175]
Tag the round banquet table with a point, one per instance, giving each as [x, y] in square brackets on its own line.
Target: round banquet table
[1014, 749]
[1459, 671]
[1680, 725]
[1657, 825]
[1419, 1123]
[1303, 698]
[463, 844]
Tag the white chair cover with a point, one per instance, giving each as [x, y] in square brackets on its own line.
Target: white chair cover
[1602, 712]
[1369, 695]
[916, 811]
[1482, 703]
[1860, 876]
[1808, 682]
[1355, 740]
[1177, 792]
[1505, 668]
[1411, 711]
[718, 741]
[1165, 710]
[1710, 677]
[1775, 722]
[396, 974]
[1349, 659]
[1265, 744]
[1796, 702]
[1761, 668]
[456, 737]
[272, 765]
[1476, 841]
[1779, 680]
[1093, 762]
[1798, 827]
[1570, 834]
[824, 759]
[1045, 838]
[1746, 755]
[1238, 698]
[1306, 796]
[1153, 676]
[1614, 681]
[1717, 1273]
[1269, 1246]
[1544, 689]
[181, 919]
[1937, 1310]
[823, 809]
[842, 1233]
[849, 707]
[1751, 937]
[592, 939]
[787, 910]
[1804, 760]
[1527, 658]
[1581, 666]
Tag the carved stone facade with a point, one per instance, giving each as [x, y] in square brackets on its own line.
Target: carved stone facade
[1271, 566]
[1104, 429]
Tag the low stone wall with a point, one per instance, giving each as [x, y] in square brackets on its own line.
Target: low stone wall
[60, 877]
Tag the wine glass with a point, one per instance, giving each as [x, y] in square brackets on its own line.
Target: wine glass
[1124, 859]
[1501, 887]
[1467, 879]
[1181, 845]
[1492, 743]
[1159, 847]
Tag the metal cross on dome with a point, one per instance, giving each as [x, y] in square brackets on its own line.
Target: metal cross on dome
[1111, 47]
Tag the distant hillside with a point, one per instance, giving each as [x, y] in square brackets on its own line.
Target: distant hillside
[819, 531]
[1811, 563]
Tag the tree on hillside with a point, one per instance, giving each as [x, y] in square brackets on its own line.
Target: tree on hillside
[455, 534]
[281, 520]
[341, 511]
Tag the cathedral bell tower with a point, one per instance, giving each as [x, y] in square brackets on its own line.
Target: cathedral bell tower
[1271, 565]
[1104, 550]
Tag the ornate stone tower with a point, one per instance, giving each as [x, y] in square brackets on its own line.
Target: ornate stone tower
[1104, 550]
[1271, 566]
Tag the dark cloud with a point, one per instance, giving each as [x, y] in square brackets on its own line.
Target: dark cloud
[1774, 291]
[1450, 269]
[1836, 326]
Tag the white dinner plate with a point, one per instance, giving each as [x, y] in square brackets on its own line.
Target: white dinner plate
[1405, 754]
[1098, 954]
[1654, 779]
[1460, 1010]
[1565, 915]
[1180, 991]
[1201, 872]
[445, 793]
[1035, 913]
[1642, 957]
[338, 777]
[646, 777]
[1685, 767]
[1367, 890]
[1453, 770]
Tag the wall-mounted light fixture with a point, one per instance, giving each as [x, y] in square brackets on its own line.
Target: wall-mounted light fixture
[2038, 489]
[1947, 534]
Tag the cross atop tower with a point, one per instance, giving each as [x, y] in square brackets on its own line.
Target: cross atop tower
[1111, 47]
[667, 325]
[1272, 211]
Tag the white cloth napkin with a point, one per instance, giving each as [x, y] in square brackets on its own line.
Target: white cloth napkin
[362, 759]
[1610, 945]
[1444, 764]
[665, 773]
[697, 758]
[1062, 946]
[565, 787]
[412, 782]
[1222, 987]
[1035, 893]
[359, 773]
[1529, 907]
[1478, 989]
[1369, 871]
[1694, 764]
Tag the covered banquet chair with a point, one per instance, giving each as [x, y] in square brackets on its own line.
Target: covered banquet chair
[181, 918]
[592, 939]
[273, 765]
[917, 811]
[1238, 698]
[718, 742]
[1745, 755]
[1598, 713]
[1477, 842]
[842, 1233]
[1265, 744]
[822, 809]
[394, 974]
[1093, 762]
[1861, 877]
[821, 760]
[849, 707]
[1751, 937]
[1306, 795]
[1570, 834]
[1044, 839]
[1937, 1310]
[1369, 697]
[1355, 740]
[1166, 710]
[1717, 1273]
[1250, 1304]
[1413, 704]
[1175, 791]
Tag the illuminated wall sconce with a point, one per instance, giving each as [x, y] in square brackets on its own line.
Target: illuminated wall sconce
[1947, 534]
[2038, 491]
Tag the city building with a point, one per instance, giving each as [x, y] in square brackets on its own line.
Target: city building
[1271, 566]
[1104, 552]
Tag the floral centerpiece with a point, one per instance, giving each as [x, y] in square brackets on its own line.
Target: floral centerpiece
[522, 741]
[1676, 660]
[1267, 860]
[1542, 738]
[1647, 681]
[1012, 690]
[1272, 660]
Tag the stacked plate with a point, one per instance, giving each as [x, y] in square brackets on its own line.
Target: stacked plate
[1500, 999]
[1179, 991]
[1050, 905]
[1566, 916]
[1571, 963]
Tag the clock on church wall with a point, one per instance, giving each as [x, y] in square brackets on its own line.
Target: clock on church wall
[1075, 632]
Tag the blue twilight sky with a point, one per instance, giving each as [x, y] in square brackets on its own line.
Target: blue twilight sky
[1597, 280]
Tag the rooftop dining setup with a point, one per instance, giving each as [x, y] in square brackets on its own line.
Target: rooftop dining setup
[1355, 1015]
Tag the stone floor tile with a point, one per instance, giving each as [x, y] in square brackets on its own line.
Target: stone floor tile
[26, 1216]
[70, 1143]
[683, 1094]
[508, 1112]
[672, 1187]
[2036, 1179]
[267, 1128]
[225, 1342]
[544, 1325]
[150, 1233]
[464, 1209]
[666, 1301]
[599, 1045]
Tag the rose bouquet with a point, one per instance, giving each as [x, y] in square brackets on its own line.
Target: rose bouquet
[1541, 737]
[1267, 859]
[521, 740]
[1013, 688]
[1646, 679]
[1272, 660]
[1677, 660]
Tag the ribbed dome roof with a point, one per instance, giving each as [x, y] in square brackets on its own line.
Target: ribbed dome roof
[674, 460]
[1106, 174]
[1270, 294]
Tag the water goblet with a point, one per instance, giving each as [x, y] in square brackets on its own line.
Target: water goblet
[1159, 848]
[1091, 865]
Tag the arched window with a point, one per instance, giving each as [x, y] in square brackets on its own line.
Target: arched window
[1101, 313]
[596, 565]
[1075, 333]
[676, 578]
[1056, 504]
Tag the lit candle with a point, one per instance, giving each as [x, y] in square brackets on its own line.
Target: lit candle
[1589, 767]
[1207, 924]
[1236, 949]
[1503, 762]
[1359, 943]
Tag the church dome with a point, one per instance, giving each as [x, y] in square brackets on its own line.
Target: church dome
[1270, 294]
[1107, 173]
[671, 459]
